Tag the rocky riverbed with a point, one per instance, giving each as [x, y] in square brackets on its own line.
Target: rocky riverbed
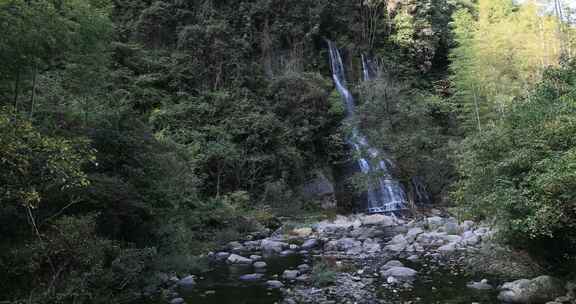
[367, 259]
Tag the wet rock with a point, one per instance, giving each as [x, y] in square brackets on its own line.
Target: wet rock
[290, 274]
[310, 244]
[251, 277]
[294, 247]
[260, 265]
[538, 290]
[274, 284]
[482, 285]
[237, 259]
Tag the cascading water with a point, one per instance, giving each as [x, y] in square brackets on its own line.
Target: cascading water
[384, 194]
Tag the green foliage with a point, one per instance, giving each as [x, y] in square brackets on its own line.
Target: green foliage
[34, 165]
[324, 273]
[521, 171]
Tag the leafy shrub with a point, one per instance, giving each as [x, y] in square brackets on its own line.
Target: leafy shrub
[323, 274]
[522, 170]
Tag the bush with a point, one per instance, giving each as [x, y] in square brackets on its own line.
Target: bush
[323, 273]
[522, 170]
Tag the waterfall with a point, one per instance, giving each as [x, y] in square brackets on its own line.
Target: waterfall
[384, 193]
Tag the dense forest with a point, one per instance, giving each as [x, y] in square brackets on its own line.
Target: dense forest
[138, 135]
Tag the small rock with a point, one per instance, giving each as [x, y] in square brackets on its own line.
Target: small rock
[294, 247]
[260, 264]
[221, 256]
[271, 247]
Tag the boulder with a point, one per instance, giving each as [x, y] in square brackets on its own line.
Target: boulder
[303, 268]
[221, 256]
[273, 247]
[255, 258]
[413, 233]
[310, 244]
[401, 273]
[177, 301]
[390, 264]
[371, 246]
[346, 244]
[452, 228]
[237, 259]
[538, 290]
[397, 244]
[273, 284]
[435, 222]
[251, 277]
[260, 265]
[377, 219]
[482, 285]
[448, 248]
[290, 274]
[186, 284]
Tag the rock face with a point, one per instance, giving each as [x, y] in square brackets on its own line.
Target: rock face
[320, 189]
[538, 290]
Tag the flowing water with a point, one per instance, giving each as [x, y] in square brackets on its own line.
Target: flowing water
[384, 193]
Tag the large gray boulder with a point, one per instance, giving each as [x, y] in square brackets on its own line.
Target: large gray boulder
[538, 290]
[397, 244]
